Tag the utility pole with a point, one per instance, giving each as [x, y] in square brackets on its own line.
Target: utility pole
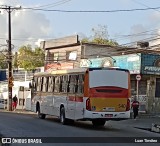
[9, 9]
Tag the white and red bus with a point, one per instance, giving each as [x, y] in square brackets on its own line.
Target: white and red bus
[94, 94]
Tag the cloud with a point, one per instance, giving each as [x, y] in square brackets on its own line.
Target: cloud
[154, 17]
[27, 26]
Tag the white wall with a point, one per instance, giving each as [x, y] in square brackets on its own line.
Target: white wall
[15, 90]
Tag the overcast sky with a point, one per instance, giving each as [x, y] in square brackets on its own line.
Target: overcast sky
[30, 26]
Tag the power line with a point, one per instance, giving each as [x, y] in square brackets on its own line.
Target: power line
[143, 5]
[52, 4]
[147, 39]
[95, 11]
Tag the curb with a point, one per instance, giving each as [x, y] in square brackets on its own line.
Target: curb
[18, 111]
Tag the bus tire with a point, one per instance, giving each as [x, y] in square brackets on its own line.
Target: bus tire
[40, 115]
[63, 119]
[98, 123]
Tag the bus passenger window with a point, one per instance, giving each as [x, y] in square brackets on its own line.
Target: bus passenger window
[64, 83]
[42, 80]
[72, 83]
[80, 84]
[34, 84]
[39, 82]
[57, 84]
[50, 84]
[44, 84]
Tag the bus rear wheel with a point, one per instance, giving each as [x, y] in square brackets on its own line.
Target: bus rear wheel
[98, 123]
[40, 115]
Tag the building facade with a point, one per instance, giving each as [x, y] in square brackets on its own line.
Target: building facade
[69, 53]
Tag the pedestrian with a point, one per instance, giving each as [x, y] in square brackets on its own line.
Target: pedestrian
[15, 100]
[135, 107]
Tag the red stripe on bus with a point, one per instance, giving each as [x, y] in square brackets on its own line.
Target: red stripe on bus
[114, 92]
[76, 99]
[71, 98]
[79, 99]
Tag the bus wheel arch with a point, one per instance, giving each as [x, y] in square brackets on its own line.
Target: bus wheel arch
[38, 110]
[63, 119]
[37, 107]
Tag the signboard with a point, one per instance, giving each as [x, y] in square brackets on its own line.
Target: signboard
[138, 77]
[150, 64]
[55, 66]
[132, 62]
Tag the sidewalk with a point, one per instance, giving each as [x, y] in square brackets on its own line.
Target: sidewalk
[21, 111]
[143, 121]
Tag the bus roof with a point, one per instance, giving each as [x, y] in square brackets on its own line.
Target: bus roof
[77, 70]
[57, 72]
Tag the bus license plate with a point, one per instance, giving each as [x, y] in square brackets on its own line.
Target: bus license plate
[109, 115]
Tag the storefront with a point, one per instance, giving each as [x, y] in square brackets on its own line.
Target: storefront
[145, 65]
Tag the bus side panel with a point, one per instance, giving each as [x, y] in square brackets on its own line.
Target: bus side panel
[79, 108]
[34, 101]
[58, 101]
[49, 103]
[71, 104]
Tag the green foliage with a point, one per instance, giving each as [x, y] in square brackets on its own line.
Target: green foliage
[30, 59]
[15, 60]
[100, 36]
[85, 40]
[3, 62]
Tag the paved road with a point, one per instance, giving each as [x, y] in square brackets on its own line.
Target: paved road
[28, 125]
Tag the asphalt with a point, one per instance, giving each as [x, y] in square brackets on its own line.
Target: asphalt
[143, 121]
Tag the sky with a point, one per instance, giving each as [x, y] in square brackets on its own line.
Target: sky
[33, 26]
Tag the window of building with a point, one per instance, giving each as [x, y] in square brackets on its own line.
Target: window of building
[157, 92]
[21, 101]
[56, 56]
[52, 57]
[71, 55]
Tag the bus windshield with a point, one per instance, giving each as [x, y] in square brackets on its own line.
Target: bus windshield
[114, 78]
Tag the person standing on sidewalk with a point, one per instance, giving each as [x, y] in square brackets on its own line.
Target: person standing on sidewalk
[15, 100]
[135, 107]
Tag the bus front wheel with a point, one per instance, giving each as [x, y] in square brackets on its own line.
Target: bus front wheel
[40, 115]
[98, 123]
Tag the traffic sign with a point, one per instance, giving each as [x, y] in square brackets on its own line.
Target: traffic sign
[138, 77]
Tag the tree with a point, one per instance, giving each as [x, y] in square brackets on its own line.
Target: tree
[100, 36]
[15, 60]
[3, 61]
[30, 59]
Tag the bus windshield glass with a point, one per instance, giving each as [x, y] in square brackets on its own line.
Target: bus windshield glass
[114, 78]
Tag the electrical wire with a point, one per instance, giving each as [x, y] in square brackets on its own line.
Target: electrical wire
[147, 39]
[94, 11]
[52, 4]
[143, 5]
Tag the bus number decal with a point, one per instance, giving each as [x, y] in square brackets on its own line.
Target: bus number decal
[121, 106]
